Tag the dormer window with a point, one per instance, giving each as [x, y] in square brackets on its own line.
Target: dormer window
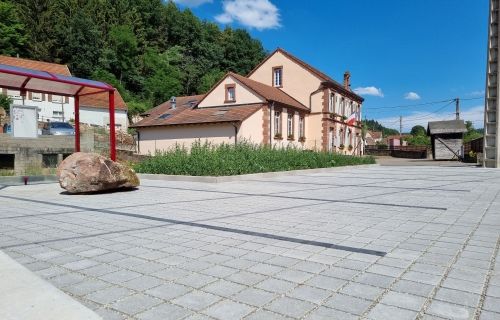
[230, 93]
[278, 77]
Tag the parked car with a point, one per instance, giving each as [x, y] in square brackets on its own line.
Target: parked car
[58, 129]
[7, 129]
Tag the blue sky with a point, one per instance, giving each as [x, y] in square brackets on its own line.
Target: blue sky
[399, 52]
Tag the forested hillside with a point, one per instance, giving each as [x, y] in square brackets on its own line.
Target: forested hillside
[149, 49]
[374, 125]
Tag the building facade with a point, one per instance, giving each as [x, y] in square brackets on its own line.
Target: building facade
[491, 152]
[93, 109]
[283, 102]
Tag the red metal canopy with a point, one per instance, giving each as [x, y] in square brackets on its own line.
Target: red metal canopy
[17, 78]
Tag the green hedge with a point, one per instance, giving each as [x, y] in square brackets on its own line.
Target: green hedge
[244, 158]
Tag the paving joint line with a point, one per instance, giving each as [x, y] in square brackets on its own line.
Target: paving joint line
[448, 269]
[479, 307]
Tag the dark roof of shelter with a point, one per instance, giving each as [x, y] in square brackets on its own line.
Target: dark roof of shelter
[187, 113]
[446, 127]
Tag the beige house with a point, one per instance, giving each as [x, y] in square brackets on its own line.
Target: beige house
[283, 101]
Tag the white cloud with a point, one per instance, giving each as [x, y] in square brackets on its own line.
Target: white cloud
[478, 93]
[369, 91]
[474, 114]
[412, 96]
[192, 3]
[258, 14]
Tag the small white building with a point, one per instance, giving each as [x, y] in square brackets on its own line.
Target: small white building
[93, 108]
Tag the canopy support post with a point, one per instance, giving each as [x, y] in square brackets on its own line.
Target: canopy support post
[77, 123]
[112, 136]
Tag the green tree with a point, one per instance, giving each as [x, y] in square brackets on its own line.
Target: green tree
[5, 102]
[418, 140]
[418, 130]
[12, 35]
[209, 80]
[472, 133]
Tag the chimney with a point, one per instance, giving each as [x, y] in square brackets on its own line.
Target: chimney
[173, 103]
[347, 80]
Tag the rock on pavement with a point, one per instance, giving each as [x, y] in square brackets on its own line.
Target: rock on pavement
[90, 172]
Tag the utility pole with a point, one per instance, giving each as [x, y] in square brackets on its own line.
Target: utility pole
[457, 108]
[400, 126]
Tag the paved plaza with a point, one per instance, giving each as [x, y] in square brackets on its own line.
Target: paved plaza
[354, 243]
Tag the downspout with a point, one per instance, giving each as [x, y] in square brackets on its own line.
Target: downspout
[235, 133]
[270, 123]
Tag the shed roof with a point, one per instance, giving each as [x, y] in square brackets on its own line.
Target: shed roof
[446, 127]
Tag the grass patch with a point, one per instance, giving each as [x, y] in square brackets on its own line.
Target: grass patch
[244, 158]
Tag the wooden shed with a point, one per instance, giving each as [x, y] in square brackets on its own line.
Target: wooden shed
[447, 138]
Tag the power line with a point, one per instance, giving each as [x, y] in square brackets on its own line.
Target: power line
[421, 104]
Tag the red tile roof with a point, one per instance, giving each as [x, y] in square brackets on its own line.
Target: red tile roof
[36, 65]
[322, 76]
[186, 113]
[269, 93]
[99, 100]
[375, 134]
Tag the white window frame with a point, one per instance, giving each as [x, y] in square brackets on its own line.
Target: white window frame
[57, 99]
[278, 77]
[302, 125]
[14, 94]
[277, 122]
[290, 119]
[36, 96]
[331, 103]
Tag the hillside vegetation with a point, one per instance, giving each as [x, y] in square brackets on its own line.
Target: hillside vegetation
[149, 49]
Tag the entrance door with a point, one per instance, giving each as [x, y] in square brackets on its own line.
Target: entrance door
[330, 140]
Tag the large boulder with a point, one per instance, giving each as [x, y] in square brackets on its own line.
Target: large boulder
[90, 172]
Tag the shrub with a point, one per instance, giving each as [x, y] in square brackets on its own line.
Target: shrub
[206, 159]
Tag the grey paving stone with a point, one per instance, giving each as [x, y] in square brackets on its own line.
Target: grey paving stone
[294, 276]
[276, 285]
[327, 283]
[492, 304]
[224, 288]
[457, 297]
[488, 315]
[362, 291]
[290, 307]
[264, 314]
[311, 294]
[403, 300]
[254, 297]
[219, 271]
[87, 286]
[350, 304]
[246, 278]
[449, 311]
[196, 280]
[136, 303]
[265, 269]
[196, 300]
[228, 310]
[120, 276]
[323, 313]
[164, 311]
[108, 295]
[376, 280]
[412, 287]
[384, 312]
[142, 283]
[168, 291]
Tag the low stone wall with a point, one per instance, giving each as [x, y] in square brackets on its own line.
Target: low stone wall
[409, 153]
[31, 154]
